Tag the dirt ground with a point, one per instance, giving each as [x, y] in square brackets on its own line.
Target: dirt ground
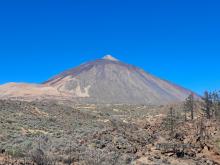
[53, 133]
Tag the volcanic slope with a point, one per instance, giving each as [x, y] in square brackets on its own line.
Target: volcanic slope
[108, 80]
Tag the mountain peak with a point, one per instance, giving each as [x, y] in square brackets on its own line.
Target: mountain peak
[100, 83]
[109, 57]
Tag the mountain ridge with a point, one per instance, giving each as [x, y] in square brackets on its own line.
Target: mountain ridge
[105, 80]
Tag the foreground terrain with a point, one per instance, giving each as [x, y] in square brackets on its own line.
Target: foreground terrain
[50, 132]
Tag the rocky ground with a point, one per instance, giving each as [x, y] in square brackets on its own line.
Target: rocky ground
[50, 132]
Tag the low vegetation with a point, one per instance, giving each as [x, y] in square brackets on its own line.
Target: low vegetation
[48, 133]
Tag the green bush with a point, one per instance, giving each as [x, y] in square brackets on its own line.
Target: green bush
[16, 152]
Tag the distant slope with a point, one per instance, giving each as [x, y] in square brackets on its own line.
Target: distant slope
[105, 80]
[26, 91]
[108, 80]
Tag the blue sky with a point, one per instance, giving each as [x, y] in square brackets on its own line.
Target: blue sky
[177, 40]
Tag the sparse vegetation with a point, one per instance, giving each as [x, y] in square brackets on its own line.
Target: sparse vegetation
[216, 104]
[207, 104]
[48, 133]
[189, 106]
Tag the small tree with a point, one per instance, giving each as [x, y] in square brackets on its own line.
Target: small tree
[207, 104]
[216, 104]
[189, 106]
[201, 129]
[171, 121]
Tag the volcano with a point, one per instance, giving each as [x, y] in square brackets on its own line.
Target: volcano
[108, 80]
[104, 81]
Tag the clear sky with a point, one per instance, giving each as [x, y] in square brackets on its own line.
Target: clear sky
[177, 40]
